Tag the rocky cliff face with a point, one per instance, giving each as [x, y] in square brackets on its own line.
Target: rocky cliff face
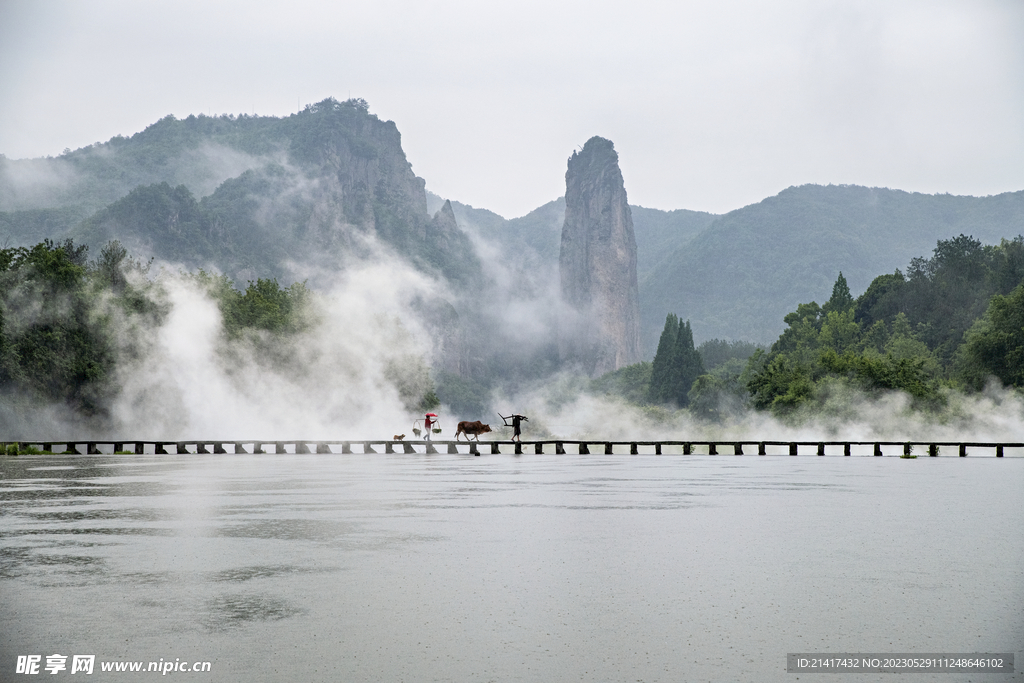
[600, 325]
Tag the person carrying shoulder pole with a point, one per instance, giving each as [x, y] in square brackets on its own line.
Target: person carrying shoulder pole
[516, 422]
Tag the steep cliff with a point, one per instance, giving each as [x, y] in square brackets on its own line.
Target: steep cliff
[600, 326]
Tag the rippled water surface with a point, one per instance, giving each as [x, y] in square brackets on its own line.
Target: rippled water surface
[507, 568]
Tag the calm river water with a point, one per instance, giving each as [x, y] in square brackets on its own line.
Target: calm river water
[506, 568]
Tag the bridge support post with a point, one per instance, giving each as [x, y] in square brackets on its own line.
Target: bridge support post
[519, 448]
[657, 449]
[430, 448]
[760, 448]
[846, 449]
[218, 449]
[473, 449]
[258, 447]
[117, 447]
[963, 450]
[559, 448]
[737, 449]
[408, 448]
[91, 449]
[346, 447]
[584, 449]
[687, 449]
[792, 449]
[538, 448]
[240, 449]
[608, 449]
[712, 449]
[367, 448]
[323, 449]
[821, 448]
[302, 447]
[907, 448]
[933, 450]
[494, 448]
[201, 449]
[452, 449]
[633, 449]
[878, 450]
[389, 447]
[159, 449]
[999, 451]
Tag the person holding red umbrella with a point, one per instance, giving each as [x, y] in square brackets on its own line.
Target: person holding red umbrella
[428, 422]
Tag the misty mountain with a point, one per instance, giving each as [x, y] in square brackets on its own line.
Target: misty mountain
[249, 196]
[282, 197]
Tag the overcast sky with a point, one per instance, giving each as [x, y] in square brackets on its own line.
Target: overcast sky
[711, 105]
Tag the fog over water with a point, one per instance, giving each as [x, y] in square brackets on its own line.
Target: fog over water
[529, 568]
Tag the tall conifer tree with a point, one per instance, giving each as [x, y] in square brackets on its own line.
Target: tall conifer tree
[677, 363]
[661, 368]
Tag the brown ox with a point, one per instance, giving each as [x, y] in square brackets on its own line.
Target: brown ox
[475, 428]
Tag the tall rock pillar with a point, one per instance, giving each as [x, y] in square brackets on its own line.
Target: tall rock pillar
[600, 322]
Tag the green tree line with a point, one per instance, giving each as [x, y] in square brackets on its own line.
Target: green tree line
[955, 321]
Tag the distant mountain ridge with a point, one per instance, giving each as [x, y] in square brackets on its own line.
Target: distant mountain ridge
[750, 267]
[735, 276]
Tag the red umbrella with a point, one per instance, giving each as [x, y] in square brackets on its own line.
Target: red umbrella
[431, 414]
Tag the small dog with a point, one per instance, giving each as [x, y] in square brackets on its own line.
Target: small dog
[399, 437]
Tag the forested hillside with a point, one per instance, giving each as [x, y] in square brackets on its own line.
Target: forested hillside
[952, 323]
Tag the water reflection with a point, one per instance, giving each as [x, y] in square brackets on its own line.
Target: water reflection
[231, 611]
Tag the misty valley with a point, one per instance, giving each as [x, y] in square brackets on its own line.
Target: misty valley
[218, 275]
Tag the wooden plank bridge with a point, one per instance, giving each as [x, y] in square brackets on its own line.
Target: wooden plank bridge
[556, 446]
